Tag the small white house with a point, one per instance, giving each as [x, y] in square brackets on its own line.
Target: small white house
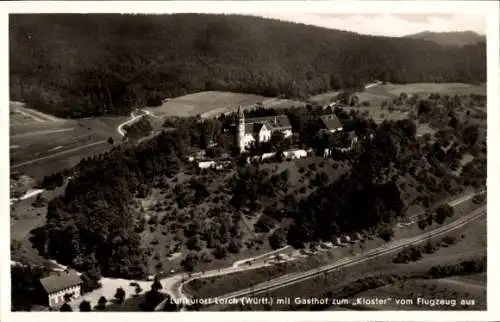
[206, 164]
[294, 154]
[266, 156]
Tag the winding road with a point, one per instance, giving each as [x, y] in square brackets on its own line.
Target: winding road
[174, 284]
[392, 247]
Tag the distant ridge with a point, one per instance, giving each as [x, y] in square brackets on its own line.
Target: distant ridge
[72, 65]
[453, 38]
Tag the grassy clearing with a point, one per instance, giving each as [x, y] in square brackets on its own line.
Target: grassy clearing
[378, 114]
[43, 148]
[278, 103]
[324, 98]
[166, 234]
[203, 102]
[21, 115]
[427, 88]
[53, 164]
[24, 217]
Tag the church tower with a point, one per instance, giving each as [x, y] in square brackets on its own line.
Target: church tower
[240, 131]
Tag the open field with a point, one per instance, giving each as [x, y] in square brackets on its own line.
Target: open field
[212, 103]
[324, 98]
[41, 148]
[207, 103]
[19, 114]
[277, 103]
[24, 217]
[378, 93]
[443, 88]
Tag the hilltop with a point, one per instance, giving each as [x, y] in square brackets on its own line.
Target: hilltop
[454, 38]
[75, 65]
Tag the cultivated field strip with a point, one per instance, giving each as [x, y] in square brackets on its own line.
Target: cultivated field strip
[22, 135]
[56, 154]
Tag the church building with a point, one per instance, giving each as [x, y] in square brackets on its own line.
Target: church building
[260, 129]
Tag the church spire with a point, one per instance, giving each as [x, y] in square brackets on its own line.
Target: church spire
[240, 112]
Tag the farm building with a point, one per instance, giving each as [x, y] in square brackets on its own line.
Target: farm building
[61, 286]
[260, 129]
[294, 154]
[331, 123]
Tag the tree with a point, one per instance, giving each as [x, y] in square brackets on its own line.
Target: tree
[189, 262]
[264, 224]
[422, 223]
[66, 308]
[85, 306]
[470, 135]
[278, 238]
[101, 304]
[193, 243]
[442, 212]
[386, 233]
[234, 246]
[138, 289]
[156, 286]
[120, 295]
[220, 252]
[429, 247]
[110, 141]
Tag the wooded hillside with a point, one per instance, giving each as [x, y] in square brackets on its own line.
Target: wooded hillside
[74, 65]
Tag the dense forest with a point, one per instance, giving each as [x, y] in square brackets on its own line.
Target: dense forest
[75, 66]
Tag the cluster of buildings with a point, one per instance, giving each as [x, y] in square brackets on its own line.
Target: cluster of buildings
[260, 129]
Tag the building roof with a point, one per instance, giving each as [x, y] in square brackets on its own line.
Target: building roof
[59, 281]
[254, 128]
[331, 121]
[273, 123]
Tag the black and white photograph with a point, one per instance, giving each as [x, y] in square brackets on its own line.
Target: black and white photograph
[248, 161]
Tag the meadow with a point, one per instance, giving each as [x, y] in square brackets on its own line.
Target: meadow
[212, 103]
[41, 144]
[205, 104]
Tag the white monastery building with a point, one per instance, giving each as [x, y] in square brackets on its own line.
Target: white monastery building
[260, 129]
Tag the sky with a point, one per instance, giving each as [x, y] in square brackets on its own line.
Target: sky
[391, 25]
